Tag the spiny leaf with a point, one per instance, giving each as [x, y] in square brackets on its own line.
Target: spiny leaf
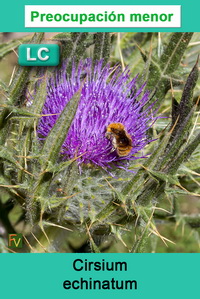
[19, 111]
[17, 89]
[186, 102]
[50, 151]
[64, 36]
[70, 178]
[6, 48]
[94, 247]
[141, 241]
[22, 74]
[174, 51]
[150, 191]
[39, 99]
[21, 186]
[28, 138]
[138, 179]
[102, 46]
[193, 220]
[175, 111]
[59, 167]
[107, 211]
[184, 155]
[73, 48]
[3, 86]
[160, 71]
[5, 154]
[175, 191]
[13, 189]
[80, 41]
[176, 141]
[164, 177]
[58, 133]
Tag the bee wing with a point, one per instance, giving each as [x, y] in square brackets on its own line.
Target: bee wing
[114, 142]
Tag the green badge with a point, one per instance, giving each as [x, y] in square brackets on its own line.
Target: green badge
[15, 241]
[38, 54]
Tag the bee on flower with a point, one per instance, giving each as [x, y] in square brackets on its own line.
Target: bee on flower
[111, 121]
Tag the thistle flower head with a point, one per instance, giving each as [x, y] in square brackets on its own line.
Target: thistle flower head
[107, 96]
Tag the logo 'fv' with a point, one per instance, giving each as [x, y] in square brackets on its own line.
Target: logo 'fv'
[15, 241]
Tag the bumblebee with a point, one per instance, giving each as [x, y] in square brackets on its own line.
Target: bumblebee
[121, 140]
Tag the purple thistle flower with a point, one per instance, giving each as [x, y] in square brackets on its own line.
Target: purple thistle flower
[107, 96]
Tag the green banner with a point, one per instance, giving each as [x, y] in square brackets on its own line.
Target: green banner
[88, 275]
[13, 16]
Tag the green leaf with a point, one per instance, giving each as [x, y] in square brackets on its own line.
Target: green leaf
[22, 74]
[138, 179]
[64, 36]
[12, 188]
[17, 89]
[74, 48]
[175, 111]
[176, 191]
[186, 103]
[59, 167]
[6, 48]
[174, 51]
[184, 155]
[5, 154]
[171, 179]
[70, 178]
[94, 247]
[50, 152]
[39, 99]
[175, 142]
[3, 86]
[102, 46]
[107, 210]
[19, 111]
[161, 71]
[29, 142]
[58, 133]
[140, 244]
